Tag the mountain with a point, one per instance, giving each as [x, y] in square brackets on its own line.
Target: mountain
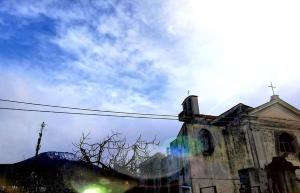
[59, 172]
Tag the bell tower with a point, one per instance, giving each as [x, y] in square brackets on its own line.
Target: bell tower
[190, 109]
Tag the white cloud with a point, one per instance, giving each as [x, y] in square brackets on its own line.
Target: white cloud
[236, 47]
[147, 58]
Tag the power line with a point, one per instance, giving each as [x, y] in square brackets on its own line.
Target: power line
[86, 109]
[89, 114]
[92, 114]
[127, 114]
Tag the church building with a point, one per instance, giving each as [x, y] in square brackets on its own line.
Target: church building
[243, 150]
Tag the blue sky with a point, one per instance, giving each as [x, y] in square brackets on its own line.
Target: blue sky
[139, 56]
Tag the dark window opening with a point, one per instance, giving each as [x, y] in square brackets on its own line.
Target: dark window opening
[206, 141]
[286, 143]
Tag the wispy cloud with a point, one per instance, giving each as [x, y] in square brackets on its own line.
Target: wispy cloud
[141, 56]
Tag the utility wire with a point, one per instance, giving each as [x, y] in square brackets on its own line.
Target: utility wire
[127, 114]
[86, 109]
[77, 113]
[95, 114]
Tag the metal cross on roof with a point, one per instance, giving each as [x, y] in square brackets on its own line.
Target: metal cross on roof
[271, 86]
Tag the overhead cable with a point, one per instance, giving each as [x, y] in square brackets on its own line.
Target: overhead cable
[85, 109]
[79, 113]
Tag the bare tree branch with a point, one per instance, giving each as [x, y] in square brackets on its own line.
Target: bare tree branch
[114, 151]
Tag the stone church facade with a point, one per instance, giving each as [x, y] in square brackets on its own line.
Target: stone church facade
[245, 149]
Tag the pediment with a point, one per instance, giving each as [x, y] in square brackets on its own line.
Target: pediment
[276, 109]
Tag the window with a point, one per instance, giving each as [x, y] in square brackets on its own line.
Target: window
[206, 142]
[286, 143]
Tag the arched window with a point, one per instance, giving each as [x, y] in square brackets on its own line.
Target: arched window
[286, 143]
[206, 142]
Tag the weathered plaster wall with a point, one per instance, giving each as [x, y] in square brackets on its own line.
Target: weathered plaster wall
[279, 117]
[265, 143]
[231, 153]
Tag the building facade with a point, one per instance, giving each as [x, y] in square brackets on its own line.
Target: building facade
[244, 150]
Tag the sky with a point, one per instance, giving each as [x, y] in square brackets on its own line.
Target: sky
[138, 56]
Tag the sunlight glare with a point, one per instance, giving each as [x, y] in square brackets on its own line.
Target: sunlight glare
[95, 190]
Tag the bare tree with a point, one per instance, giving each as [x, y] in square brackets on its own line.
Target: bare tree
[114, 151]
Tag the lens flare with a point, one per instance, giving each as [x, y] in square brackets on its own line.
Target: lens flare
[95, 190]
